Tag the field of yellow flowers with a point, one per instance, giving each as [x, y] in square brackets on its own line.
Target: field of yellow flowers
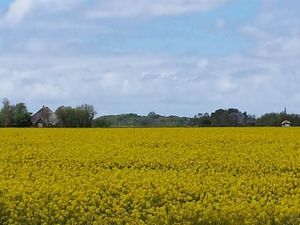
[150, 176]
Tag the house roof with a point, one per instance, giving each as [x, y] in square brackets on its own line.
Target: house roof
[286, 122]
[46, 115]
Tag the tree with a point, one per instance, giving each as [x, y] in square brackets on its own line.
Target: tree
[87, 114]
[201, 120]
[219, 118]
[275, 119]
[67, 116]
[14, 115]
[152, 115]
[101, 123]
[228, 117]
[61, 116]
[7, 113]
[22, 118]
[81, 116]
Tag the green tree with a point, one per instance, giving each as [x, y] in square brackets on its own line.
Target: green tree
[201, 120]
[22, 118]
[86, 115]
[7, 113]
[229, 117]
[81, 116]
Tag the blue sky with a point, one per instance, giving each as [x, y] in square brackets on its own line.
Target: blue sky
[168, 56]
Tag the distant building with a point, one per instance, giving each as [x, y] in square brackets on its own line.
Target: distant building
[45, 117]
[286, 123]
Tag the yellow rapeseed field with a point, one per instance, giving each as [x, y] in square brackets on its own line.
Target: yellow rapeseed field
[150, 176]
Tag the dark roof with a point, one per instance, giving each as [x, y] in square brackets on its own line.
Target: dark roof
[46, 115]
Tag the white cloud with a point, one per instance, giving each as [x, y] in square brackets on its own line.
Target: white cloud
[282, 47]
[20, 9]
[148, 8]
[226, 84]
[254, 32]
[276, 30]
[259, 80]
[220, 23]
[142, 83]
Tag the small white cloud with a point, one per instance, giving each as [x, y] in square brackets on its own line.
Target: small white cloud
[20, 9]
[17, 11]
[220, 23]
[254, 31]
[225, 84]
[147, 8]
[280, 47]
[35, 45]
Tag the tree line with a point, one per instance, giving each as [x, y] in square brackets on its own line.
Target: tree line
[220, 118]
[17, 115]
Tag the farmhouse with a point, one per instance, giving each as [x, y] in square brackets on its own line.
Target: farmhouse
[286, 123]
[45, 117]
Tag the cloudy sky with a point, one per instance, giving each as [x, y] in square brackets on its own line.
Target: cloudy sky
[169, 56]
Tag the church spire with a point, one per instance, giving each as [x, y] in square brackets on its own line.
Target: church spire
[284, 110]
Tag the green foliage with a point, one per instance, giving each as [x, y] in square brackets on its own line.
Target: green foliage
[14, 115]
[83, 116]
[80, 116]
[134, 120]
[201, 120]
[101, 123]
[224, 117]
[22, 116]
[275, 119]
[230, 117]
